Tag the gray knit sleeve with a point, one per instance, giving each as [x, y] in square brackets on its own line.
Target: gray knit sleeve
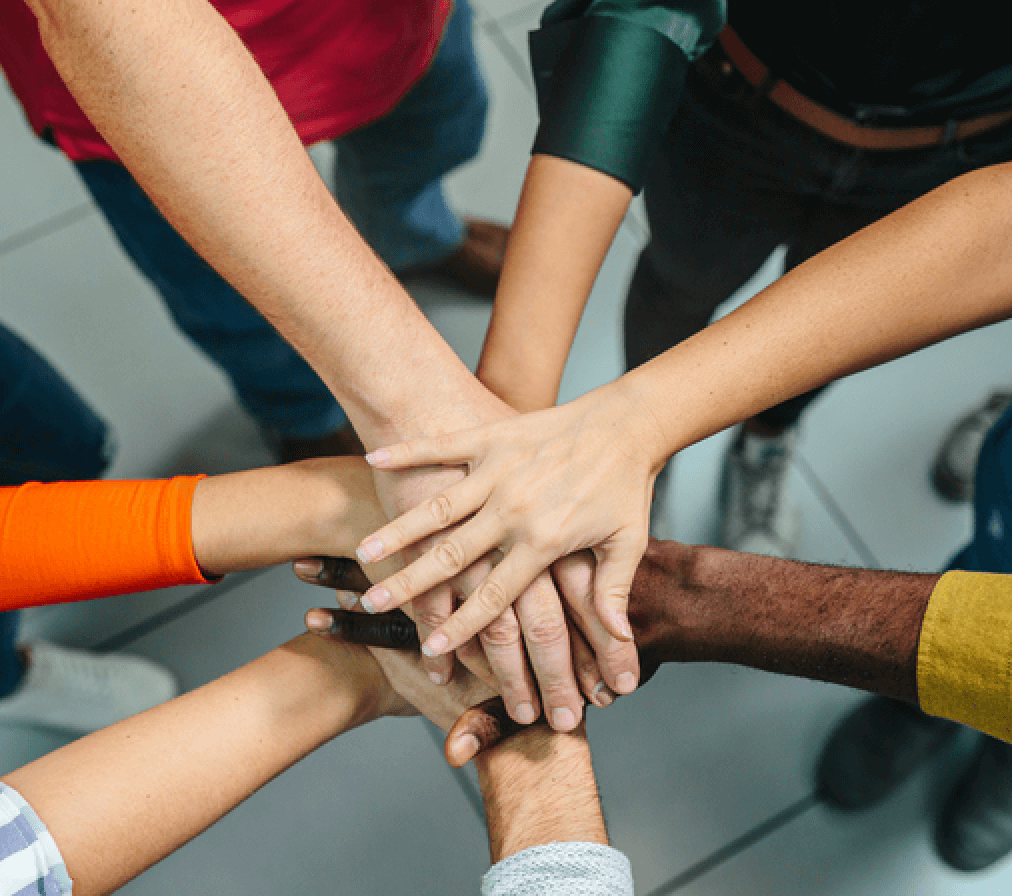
[561, 869]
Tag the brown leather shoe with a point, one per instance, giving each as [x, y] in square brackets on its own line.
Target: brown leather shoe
[339, 442]
[476, 264]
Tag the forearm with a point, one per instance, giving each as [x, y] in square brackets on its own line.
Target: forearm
[854, 627]
[123, 798]
[275, 515]
[566, 219]
[191, 115]
[937, 267]
[538, 788]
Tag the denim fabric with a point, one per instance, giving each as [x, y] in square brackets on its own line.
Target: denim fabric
[991, 547]
[389, 173]
[47, 433]
[735, 178]
[389, 176]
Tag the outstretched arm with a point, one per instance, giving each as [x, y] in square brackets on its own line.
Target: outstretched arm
[121, 799]
[546, 484]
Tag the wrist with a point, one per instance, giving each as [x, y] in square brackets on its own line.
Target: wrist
[641, 412]
[539, 787]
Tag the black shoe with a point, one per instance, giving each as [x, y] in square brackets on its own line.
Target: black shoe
[875, 749]
[975, 828]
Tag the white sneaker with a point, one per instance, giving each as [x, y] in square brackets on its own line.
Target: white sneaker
[75, 690]
[757, 512]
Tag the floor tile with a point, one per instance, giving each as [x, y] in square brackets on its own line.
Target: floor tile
[78, 299]
[703, 753]
[36, 181]
[872, 439]
[884, 850]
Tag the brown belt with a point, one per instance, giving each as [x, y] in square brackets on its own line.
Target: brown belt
[837, 127]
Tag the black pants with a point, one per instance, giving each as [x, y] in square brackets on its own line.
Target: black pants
[735, 178]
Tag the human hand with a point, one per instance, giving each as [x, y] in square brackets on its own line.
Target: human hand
[478, 717]
[347, 578]
[541, 486]
[537, 621]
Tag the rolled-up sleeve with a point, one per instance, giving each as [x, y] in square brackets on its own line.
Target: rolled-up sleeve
[561, 869]
[609, 74]
[964, 655]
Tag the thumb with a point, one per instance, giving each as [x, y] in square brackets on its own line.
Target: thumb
[479, 728]
[617, 562]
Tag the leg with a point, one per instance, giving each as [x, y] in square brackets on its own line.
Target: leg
[47, 433]
[272, 381]
[389, 173]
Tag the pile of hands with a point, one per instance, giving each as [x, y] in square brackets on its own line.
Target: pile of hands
[514, 553]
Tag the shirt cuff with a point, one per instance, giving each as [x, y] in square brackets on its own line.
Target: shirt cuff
[561, 869]
[607, 91]
[965, 651]
[30, 861]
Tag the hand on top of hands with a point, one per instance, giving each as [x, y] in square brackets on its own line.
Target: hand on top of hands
[541, 486]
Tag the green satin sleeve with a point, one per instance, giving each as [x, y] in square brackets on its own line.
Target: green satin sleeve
[609, 74]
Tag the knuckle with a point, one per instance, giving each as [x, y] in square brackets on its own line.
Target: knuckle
[431, 615]
[491, 598]
[442, 510]
[503, 632]
[545, 631]
[449, 555]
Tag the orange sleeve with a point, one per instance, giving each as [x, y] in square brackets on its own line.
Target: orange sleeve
[68, 541]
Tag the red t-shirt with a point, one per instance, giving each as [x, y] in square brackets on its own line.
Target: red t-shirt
[334, 64]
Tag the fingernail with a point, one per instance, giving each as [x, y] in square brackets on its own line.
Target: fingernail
[436, 645]
[467, 744]
[603, 694]
[370, 550]
[563, 719]
[623, 628]
[625, 683]
[319, 622]
[346, 600]
[378, 456]
[435, 678]
[375, 599]
[524, 713]
[310, 569]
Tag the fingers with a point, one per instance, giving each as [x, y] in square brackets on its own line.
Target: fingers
[546, 635]
[487, 602]
[504, 650]
[617, 561]
[341, 573]
[588, 673]
[617, 660]
[479, 728]
[447, 559]
[457, 503]
[391, 630]
[431, 610]
[449, 448]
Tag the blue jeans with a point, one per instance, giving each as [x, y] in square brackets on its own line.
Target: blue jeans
[47, 433]
[389, 176]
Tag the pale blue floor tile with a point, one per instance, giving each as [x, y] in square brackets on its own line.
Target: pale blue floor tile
[36, 181]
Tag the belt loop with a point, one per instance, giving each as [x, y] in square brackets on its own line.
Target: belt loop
[950, 132]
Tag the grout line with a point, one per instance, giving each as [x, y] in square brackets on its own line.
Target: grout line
[514, 58]
[46, 228]
[737, 846]
[836, 512]
[170, 614]
[471, 793]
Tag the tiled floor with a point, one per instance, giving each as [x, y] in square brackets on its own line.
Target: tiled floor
[706, 774]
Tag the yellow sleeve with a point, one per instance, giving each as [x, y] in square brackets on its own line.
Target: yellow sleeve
[964, 656]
